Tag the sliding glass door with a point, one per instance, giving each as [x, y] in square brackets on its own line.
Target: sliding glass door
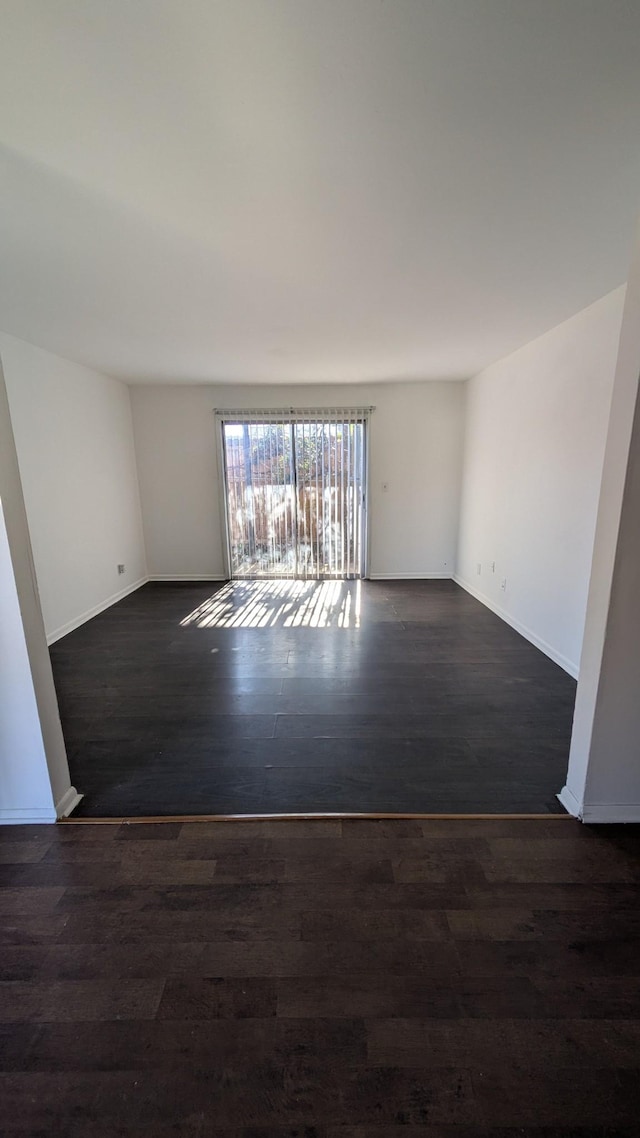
[295, 493]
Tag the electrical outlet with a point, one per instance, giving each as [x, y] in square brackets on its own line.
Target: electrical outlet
[479, 568]
[503, 584]
[120, 570]
[493, 566]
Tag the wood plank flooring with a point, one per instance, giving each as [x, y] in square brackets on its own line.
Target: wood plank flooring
[346, 697]
[320, 980]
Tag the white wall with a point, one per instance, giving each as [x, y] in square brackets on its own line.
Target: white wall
[25, 788]
[534, 447]
[34, 774]
[603, 780]
[416, 447]
[74, 440]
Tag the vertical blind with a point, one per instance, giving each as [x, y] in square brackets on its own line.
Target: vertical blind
[295, 482]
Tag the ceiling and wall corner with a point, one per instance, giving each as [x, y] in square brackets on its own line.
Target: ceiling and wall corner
[298, 191]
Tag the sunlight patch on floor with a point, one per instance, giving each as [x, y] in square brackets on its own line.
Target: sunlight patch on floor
[287, 604]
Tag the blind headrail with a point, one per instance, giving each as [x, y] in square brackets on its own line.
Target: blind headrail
[286, 414]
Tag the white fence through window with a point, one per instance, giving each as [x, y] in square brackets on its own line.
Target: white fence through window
[295, 485]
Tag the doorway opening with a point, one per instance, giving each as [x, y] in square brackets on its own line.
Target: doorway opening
[295, 493]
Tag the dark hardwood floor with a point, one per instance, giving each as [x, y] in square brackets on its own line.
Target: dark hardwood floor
[285, 698]
[460, 979]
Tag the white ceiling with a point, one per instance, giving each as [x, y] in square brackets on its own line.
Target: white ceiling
[312, 190]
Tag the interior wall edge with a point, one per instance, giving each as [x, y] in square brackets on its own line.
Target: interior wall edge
[77, 621]
[136, 480]
[33, 756]
[569, 666]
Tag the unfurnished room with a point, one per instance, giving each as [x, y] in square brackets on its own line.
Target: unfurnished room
[320, 620]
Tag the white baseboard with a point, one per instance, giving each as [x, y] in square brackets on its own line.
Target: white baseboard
[186, 577]
[410, 576]
[528, 633]
[33, 817]
[604, 812]
[570, 802]
[611, 812]
[85, 616]
[68, 802]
